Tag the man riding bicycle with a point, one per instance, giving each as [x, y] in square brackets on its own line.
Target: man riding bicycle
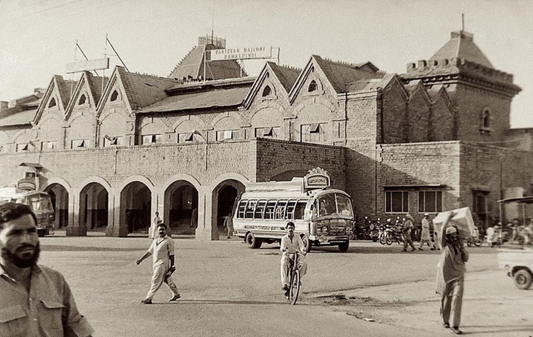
[291, 244]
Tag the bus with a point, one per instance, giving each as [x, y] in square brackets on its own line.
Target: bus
[40, 203]
[322, 215]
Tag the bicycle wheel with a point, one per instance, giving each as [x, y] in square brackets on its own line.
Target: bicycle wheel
[295, 287]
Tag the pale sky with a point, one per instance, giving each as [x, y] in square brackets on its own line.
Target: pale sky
[38, 37]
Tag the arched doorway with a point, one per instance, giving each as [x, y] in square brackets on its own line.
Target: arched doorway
[59, 195]
[94, 207]
[135, 209]
[225, 195]
[181, 207]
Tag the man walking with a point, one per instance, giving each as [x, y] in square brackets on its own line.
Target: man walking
[36, 300]
[450, 277]
[424, 234]
[153, 228]
[162, 249]
[406, 231]
[228, 225]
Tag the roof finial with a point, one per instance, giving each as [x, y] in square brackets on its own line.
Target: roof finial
[463, 22]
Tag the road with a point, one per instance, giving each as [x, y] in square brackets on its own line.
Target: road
[230, 290]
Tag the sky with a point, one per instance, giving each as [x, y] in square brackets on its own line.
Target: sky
[38, 37]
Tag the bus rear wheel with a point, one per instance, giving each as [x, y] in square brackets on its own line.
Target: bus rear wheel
[252, 241]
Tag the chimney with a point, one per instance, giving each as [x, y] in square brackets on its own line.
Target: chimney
[4, 105]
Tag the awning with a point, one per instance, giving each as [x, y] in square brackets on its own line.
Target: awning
[521, 200]
[414, 186]
[33, 165]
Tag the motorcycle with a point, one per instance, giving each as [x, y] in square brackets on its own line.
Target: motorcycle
[374, 230]
[394, 234]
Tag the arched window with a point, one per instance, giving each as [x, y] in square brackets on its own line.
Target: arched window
[114, 96]
[52, 103]
[312, 86]
[485, 119]
[82, 100]
[267, 91]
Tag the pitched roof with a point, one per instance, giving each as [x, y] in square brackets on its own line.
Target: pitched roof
[286, 75]
[18, 118]
[221, 97]
[369, 84]
[192, 66]
[97, 85]
[143, 90]
[65, 88]
[340, 74]
[462, 46]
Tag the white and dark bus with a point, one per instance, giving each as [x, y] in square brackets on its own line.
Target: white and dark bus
[322, 215]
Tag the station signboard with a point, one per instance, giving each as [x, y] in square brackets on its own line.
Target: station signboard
[87, 65]
[246, 53]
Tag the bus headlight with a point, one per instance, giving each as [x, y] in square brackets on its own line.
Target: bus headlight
[325, 230]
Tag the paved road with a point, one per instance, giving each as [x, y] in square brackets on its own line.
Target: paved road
[230, 290]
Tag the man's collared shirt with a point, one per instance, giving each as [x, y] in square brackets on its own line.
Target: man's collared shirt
[292, 246]
[161, 249]
[48, 309]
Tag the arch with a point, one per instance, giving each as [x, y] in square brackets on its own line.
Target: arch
[135, 206]
[184, 119]
[229, 176]
[221, 116]
[181, 176]
[267, 91]
[60, 201]
[223, 196]
[93, 206]
[115, 95]
[97, 180]
[82, 99]
[313, 86]
[137, 178]
[59, 181]
[181, 207]
[278, 171]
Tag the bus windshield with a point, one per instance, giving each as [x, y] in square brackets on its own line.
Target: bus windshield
[334, 204]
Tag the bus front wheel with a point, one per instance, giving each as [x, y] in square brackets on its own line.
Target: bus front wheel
[344, 246]
[252, 241]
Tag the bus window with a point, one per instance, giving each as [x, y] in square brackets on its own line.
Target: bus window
[259, 209]
[291, 206]
[299, 210]
[344, 205]
[270, 209]
[327, 205]
[241, 209]
[250, 209]
[280, 209]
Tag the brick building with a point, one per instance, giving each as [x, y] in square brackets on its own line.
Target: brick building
[113, 151]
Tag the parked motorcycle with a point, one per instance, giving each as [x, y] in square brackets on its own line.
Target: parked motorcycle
[374, 230]
[394, 234]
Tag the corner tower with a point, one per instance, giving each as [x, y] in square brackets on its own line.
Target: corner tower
[480, 94]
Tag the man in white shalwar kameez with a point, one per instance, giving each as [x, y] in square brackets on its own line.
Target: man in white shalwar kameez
[162, 249]
[450, 277]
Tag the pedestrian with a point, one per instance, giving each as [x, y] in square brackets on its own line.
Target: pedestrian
[194, 218]
[35, 300]
[162, 249]
[406, 231]
[228, 225]
[450, 277]
[153, 228]
[424, 234]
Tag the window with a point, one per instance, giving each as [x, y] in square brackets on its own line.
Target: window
[114, 96]
[429, 201]
[270, 210]
[82, 100]
[267, 132]
[52, 103]
[312, 133]
[485, 121]
[480, 202]
[151, 139]
[259, 209]
[312, 86]
[48, 145]
[113, 141]
[23, 147]
[79, 143]
[396, 202]
[227, 135]
[267, 91]
[185, 137]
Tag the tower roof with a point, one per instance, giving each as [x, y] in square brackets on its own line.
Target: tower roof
[462, 46]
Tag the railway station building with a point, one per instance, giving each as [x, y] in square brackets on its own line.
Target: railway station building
[114, 150]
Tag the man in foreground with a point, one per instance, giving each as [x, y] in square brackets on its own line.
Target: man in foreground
[291, 244]
[162, 249]
[450, 277]
[35, 300]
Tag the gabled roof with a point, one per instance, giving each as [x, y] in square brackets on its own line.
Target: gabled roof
[96, 85]
[369, 84]
[142, 90]
[286, 75]
[64, 90]
[93, 84]
[340, 74]
[462, 46]
[215, 98]
[192, 66]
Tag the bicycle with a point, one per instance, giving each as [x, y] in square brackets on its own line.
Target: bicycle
[294, 278]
